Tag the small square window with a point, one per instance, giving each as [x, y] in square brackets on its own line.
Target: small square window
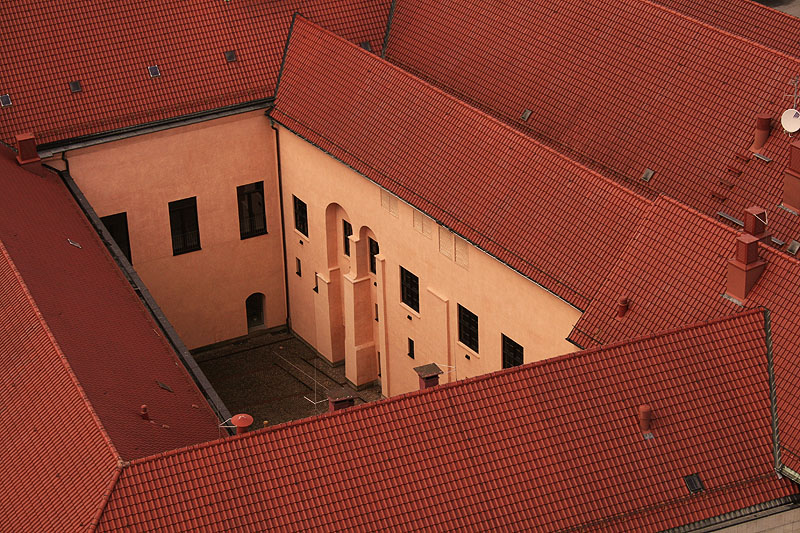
[75, 86]
[5, 100]
[409, 289]
[468, 328]
[411, 348]
[252, 215]
[230, 56]
[693, 483]
[154, 71]
[300, 216]
[347, 230]
[374, 250]
[183, 223]
[512, 353]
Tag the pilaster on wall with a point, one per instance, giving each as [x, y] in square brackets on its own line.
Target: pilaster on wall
[361, 361]
[383, 326]
[440, 349]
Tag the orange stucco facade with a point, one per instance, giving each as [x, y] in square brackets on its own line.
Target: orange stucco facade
[348, 313]
[203, 292]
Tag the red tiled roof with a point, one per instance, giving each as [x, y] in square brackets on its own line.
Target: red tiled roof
[108, 45]
[551, 219]
[57, 461]
[746, 18]
[602, 88]
[555, 444]
[674, 272]
[108, 337]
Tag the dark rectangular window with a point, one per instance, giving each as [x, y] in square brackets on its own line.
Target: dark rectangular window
[468, 328]
[411, 348]
[183, 223]
[347, 231]
[117, 226]
[300, 216]
[252, 216]
[373, 251]
[299, 269]
[512, 353]
[409, 289]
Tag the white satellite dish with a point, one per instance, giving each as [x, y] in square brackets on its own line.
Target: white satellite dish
[790, 120]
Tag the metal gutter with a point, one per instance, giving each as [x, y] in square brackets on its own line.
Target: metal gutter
[140, 289]
[48, 149]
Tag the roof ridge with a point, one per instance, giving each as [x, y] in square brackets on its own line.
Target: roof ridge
[721, 30]
[459, 383]
[107, 495]
[463, 103]
[57, 347]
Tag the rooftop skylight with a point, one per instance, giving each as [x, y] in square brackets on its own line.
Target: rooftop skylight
[154, 71]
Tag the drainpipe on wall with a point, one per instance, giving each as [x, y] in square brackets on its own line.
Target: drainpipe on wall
[283, 221]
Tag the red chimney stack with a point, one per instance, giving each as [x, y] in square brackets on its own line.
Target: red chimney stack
[622, 307]
[242, 422]
[645, 417]
[745, 268]
[763, 126]
[755, 223]
[26, 149]
[428, 375]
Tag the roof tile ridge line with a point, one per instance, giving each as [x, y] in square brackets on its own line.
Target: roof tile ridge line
[442, 387]
[773, 394]
[95, 523]
[480, 112]
[62, 357]
[388, 29]
[285, 53]
[720, 30]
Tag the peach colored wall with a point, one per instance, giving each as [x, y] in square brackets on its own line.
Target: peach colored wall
[202, 293]
[504, 301]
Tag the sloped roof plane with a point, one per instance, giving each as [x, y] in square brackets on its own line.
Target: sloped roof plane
[548, 217]
[506, 450]
[674, 272]
[620, 86]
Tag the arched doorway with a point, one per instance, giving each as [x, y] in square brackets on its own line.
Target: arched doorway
[254, 307]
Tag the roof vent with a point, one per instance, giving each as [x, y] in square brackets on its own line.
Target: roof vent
[525, 115]
[339, 398]
[648, 175]
[154, 71]
[622, 307]
[144, 413]
[763, 125]
[793, 247]
[5, 100]
[366, 46]
[230, 56]
[428, 375]
[242, 422]
[693, 483]
[75, 86]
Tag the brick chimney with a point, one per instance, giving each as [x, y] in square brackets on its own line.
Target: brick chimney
[745, 268]
[791, 178]
[763, 126]
[339, 398]
[645, 418]
[755, 223]
[26, 149]
[428, 375]
[242, 422]
[623, 304]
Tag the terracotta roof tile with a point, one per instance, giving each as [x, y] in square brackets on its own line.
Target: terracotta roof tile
[109, 45]
[551, 219]
[674, 272]
[505, 450]
[108, 337]
[683, 104]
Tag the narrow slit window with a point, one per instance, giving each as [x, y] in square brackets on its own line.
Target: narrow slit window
[299, 267]
[374, 250]
[347, 230]
[411, 348]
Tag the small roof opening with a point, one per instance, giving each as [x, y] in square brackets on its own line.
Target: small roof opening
[693, 483]
[230, 56]
[793, 247]
[5, 100]
[648, 174]
[366, 46]
[154, 71]
[526, 115]
[75, 86]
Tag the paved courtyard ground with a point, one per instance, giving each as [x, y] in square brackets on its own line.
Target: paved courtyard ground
[274, 377]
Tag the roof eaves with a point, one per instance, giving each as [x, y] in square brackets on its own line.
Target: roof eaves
[742, 515]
